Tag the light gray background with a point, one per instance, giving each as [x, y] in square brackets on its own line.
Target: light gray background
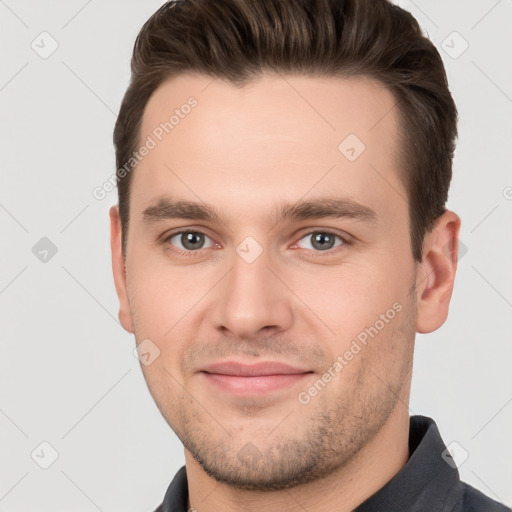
[68, 375]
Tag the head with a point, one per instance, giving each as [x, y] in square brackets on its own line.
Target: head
[315, 139]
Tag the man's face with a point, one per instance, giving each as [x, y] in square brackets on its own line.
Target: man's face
[331, 297]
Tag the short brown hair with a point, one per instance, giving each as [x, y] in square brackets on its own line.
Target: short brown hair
[239, 40]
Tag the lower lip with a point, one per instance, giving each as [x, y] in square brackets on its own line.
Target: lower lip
[257, 385]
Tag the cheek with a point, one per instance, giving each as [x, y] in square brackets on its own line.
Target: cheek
[350, 298]
[166, 392]
[159, 298]
[164, 304]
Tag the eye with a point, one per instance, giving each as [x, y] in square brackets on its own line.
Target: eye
[321, 240]
[189, 241]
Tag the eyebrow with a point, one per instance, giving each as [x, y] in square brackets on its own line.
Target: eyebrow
[320, 208]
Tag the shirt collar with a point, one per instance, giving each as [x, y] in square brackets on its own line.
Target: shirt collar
[428, 481]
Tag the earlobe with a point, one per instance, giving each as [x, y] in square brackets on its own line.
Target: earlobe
[436, 273]
[119, 269]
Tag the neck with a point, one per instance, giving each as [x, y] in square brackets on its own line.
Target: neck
[343, 490]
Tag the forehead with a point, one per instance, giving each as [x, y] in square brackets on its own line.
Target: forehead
[287, 135]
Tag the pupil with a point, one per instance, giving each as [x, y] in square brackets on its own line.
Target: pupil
[190, 240]
[321, 238]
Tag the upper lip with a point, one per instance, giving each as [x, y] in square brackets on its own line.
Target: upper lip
[252, 370]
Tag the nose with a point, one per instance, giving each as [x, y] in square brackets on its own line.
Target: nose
[252, 301]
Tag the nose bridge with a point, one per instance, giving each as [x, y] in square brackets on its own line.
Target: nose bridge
[252, 298]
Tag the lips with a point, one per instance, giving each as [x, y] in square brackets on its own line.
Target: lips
[252, 379]
[253, 370]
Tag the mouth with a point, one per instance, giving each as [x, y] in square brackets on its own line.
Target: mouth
[252, 380]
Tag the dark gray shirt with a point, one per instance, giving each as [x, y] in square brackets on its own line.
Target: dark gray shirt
[429, 482]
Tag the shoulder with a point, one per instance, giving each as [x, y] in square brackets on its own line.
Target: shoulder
[473, 500]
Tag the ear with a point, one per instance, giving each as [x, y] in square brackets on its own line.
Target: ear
[119, 269]
[436, 273]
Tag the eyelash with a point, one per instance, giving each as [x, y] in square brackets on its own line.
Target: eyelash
[191, 254]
